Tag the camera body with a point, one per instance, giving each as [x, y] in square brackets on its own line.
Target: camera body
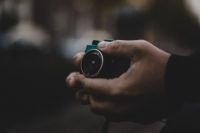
[97, 64]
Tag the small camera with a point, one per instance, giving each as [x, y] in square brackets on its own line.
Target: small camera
[97, 64]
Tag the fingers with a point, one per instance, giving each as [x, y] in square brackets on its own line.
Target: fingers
[100, 106]
[91, 87]
[72, 81]
[77, 59]
[82, 96]
[95, 92]
[123, 48]
[95, 86]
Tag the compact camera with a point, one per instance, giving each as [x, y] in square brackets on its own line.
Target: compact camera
[97, 64]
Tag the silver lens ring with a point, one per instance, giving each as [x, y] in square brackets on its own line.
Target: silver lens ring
[100, 68]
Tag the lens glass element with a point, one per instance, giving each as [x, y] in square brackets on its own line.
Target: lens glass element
[92, 63]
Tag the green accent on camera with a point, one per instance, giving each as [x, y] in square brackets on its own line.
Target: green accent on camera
[94, 45]
[90, 47]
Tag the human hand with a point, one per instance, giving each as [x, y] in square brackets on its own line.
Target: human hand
[137, 95]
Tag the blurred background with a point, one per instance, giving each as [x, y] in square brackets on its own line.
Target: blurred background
[38, 39]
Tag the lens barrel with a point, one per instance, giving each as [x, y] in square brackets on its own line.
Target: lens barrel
[92, 63]
[96, 64]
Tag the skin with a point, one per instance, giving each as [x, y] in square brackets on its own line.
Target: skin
[138, 95]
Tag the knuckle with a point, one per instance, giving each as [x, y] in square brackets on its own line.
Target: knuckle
[78, 56]
[117, 42]
[142, 41]
[75, 79]
[142, 46]
[81, 80]
[74, 75]
[77, 63]
[80, 94]
[115, 45]
[69, 77]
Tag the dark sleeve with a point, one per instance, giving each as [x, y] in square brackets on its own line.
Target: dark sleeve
[183, 78]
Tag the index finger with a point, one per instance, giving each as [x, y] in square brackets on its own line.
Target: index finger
[109, 87]
[77, 59]
[121, 47]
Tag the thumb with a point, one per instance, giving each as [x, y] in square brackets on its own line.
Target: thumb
[120, 48]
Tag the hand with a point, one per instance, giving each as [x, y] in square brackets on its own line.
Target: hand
[137, 95]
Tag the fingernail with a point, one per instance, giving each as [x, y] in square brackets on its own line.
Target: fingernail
[103, 44]
[77, 56]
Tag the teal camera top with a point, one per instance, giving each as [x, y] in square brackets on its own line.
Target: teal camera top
[94, 45]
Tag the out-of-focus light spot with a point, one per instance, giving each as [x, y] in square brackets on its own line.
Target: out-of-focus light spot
[194, 7]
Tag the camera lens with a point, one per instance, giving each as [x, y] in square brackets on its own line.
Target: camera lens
[92, 63]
